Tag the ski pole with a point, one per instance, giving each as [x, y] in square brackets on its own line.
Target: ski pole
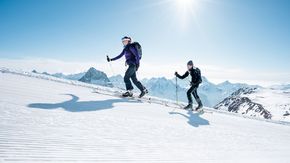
[111, 67]
[176, 94]
[176, 88]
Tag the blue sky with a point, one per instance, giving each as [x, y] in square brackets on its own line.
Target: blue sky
[237, 40]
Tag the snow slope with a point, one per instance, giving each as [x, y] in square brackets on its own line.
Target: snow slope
[51, 120]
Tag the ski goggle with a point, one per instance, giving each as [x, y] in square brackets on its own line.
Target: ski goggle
[126, 39]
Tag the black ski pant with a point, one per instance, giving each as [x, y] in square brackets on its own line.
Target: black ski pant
[131, 74]
[193, 90]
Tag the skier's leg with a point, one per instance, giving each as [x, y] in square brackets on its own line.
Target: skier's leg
[197, 99]
[139, 85]
[189, 106]
[137, 82]
[194, 93]
[127, 77]
[189, 97]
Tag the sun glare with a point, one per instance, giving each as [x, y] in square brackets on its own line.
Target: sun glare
[186, 10]
[184, 3]
[182, 13]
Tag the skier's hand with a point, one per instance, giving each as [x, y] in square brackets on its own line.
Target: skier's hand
[175, 73]
[108, 59]
[137, 67]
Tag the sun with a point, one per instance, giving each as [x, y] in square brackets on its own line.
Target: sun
[186, 10]
[184, 3]
[180, 13]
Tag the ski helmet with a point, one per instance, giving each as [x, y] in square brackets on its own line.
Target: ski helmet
[190, 63]
[127, 38]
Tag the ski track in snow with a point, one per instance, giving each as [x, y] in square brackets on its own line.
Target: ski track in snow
[46, 121]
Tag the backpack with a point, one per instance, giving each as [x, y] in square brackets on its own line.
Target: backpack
[199, 79]
[138, 48]
[196, 76]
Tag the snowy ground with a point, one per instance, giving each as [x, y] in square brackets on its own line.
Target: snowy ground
[48, 121]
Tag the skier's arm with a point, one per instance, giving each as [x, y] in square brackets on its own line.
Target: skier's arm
[183, 76]
[135, 53]
[119, 56]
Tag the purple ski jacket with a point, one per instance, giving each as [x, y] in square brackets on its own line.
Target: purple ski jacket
[131, 55]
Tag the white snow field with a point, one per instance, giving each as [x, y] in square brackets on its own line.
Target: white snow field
[44, 120]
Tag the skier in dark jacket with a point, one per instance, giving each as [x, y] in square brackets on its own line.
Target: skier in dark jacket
[195, 81]
[133, 61]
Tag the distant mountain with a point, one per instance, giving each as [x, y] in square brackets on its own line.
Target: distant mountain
[63, 76]
[268, 103]
[117, 81]
[59, 75]
[163, 88]
[92, 76]
[228, 87]
[75, 76]
[282, 87]
[286, 87]
[45, 73]
[97, 77]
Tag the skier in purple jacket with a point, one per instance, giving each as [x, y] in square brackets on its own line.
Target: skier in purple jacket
[133, 61]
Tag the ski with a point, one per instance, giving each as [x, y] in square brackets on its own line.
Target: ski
[143, 99]
[201, 111]
[119, 94]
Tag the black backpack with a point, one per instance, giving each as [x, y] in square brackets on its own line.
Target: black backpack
[196, 76]
[199, 79]
[138, 47]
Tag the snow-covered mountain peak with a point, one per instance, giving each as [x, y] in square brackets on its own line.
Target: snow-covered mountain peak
[244, 91]
[95, 76]
[258, 102]
[94, 71]
[225, 83]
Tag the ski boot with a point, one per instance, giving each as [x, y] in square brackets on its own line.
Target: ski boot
[127, 94]
[145, 91]
[199, 108]
[188, 107]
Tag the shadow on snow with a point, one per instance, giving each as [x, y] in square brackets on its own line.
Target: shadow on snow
[194, 119]
[74, 105]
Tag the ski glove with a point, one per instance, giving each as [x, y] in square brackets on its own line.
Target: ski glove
[175, 73]
[137, 67]
[108, 59]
